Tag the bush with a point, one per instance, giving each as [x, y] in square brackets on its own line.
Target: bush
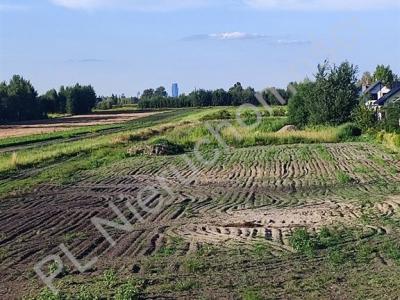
[297, 109]
[364, 118]
[348, 131]
[336, 256]
[279, 112]
[127, 291]
[218, 115]
[343, 177]
[303, 242]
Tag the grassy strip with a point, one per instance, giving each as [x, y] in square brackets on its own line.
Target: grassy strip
[10, 162]
[24, 140]
[64, 172]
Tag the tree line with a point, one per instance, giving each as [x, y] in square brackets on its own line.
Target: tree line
[235, 96]
[19, 101]
[105, 103]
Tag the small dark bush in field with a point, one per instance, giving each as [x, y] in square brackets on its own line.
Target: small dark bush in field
[392, 251]
[219, 115]
[343, 177]
[165, 147]
[328, 238]
[306, 243]
[158, 147]
[127, 291]
[336, 256]
[251, 295]
[303, 242]
[348, 131]
[364, 253]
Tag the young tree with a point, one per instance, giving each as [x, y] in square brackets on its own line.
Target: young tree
[334, 94]
[364, 117]
[297, 107]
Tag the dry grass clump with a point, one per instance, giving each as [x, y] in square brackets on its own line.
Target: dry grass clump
[14, 160]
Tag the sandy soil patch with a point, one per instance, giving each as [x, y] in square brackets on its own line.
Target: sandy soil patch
[274, 225]
[66, 123]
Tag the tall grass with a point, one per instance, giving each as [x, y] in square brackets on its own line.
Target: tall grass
[245, 137]
[390, 140]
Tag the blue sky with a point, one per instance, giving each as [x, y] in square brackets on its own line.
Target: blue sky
[125, 46]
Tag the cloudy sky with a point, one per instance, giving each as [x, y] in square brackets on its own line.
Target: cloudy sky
[125, 46]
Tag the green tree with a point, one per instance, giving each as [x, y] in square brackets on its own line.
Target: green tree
[80, 99]
[334, 94]
[220, 98]
[236, 94]
[50, 101]
[160, 92]
[385, 75]
[147, 94]
[3, 101]
[22, 102]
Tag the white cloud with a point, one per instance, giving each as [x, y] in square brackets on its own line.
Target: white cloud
[237, 35]
[226, 36]
[146, 5]
[323, 4]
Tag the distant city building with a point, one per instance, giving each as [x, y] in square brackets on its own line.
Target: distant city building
[175, 90]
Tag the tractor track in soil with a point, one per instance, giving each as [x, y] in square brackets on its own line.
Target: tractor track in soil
[248, 195]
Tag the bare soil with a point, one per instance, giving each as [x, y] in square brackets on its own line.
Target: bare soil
[66, 123]
[249, 196]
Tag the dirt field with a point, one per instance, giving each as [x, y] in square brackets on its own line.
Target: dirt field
[222, 234]
[60, 124]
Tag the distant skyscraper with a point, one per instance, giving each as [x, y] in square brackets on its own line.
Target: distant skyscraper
[175, 90]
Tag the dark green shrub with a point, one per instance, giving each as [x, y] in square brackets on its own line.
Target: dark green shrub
[392, 117]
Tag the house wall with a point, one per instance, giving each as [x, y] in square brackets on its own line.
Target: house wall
[383, 91]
